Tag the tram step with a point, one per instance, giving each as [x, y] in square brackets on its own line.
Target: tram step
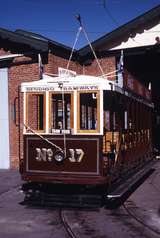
[63, 200]
[127, 187]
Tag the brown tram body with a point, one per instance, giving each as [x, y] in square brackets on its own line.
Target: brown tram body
[84, 130]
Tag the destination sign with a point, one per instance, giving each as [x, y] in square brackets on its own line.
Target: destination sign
[65, 88]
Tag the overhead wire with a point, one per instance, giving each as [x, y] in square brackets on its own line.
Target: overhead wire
[111, 16]
[61, 31]
[115, 20]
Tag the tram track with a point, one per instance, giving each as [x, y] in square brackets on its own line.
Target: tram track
[61, 214]
[66, 225]
[66, 219]
[141, 227]
[137, 217]
[80, 222]
[152, 182]
[69, 219]
[140, 221]
[8, 190]
[140, 230]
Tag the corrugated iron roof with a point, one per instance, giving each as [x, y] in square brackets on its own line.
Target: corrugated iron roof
[134, 26]
[23, 41]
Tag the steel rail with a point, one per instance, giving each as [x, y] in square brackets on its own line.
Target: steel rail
[9, 190]
[140, 221]
[66, 225]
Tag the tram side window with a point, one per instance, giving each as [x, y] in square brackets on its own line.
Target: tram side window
[61, 115]
[107, 124]
[125, 120]
[35, 111]
[88, 112]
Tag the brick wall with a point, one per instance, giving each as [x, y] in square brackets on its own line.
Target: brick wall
[107, 64]
[54, 62]
[23, 70]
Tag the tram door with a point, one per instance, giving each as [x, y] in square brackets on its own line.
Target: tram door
[4, 120]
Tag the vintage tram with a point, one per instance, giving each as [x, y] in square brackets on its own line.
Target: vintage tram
[84, 131]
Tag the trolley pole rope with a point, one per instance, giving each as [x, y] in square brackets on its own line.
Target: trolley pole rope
[78, 17]
[43, 138]
[63, 119]
[77, 36]
[81, 28]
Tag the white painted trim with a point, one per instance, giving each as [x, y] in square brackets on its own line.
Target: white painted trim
[24, 112]
[47, 112]
[5, 57]
[4, 120]
[101, 111]
[75, 112]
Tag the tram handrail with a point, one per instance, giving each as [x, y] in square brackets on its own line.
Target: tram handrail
[15, 112]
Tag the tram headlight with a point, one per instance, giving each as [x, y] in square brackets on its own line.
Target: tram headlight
[59, 157]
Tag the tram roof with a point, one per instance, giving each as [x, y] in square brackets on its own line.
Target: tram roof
[67, 83]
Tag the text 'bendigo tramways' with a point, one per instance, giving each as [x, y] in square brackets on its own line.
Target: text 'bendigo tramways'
[65, 88]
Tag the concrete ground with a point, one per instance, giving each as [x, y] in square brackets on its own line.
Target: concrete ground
[18, 221]
[143, 219]
[9, 179]
[139, 217]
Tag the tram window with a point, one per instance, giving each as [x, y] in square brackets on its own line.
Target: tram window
[60, 119]
[114, 121]
[158, 120]
[125, 120]
[35, 111]
[88, 112]
[107, 120]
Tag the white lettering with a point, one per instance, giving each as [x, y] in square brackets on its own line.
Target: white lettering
[65, 88]
[41, 154]
[75, 155]
[72, 155]
[50, 154]
[80, 154]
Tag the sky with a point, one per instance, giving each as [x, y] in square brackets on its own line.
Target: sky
[55, 19]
